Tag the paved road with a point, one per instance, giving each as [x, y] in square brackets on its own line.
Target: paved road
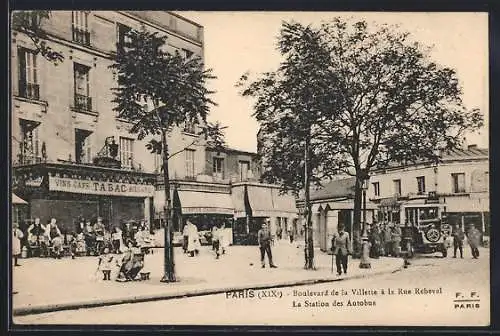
[412, 303]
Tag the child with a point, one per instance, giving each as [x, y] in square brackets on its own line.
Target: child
[106, 261]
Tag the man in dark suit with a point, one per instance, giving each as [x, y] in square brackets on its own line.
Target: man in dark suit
[264, 239]
[458, 241]
[341, 248]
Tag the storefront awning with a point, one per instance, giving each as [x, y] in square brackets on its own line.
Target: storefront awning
[268, 202]
[18, 200]
[194, 202]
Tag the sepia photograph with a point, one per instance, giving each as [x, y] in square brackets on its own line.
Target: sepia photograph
[230, 168]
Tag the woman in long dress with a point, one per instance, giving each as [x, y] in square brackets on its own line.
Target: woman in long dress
[17, 235]
[194, 244]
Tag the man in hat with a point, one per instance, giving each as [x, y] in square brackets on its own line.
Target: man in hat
[264, 240]
[341, 249]
[474, 239]
[458, 241]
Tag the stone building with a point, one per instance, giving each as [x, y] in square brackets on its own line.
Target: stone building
[457, 186]
[63, 123]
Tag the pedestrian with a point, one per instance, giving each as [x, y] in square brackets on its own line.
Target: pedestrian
[264, 240]
[474, 238]
[194, 244]
[396, 240]
[117, 239]
[387, 240]
[55, 238]
[341, 249]
[279, 232]
[17, 235]
[36, 238]
[458, 241]
[375, 243]
[290, 235]
[216, 241]
[185, 238]
[223, 240]
[106, 263]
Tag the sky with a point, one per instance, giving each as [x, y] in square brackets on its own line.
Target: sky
[237, 42]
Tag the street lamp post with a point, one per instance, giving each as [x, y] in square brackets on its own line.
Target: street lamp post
[365, 250]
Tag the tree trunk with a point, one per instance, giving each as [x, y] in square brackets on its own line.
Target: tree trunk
[309, 246]
[168, 261]
[357, 217]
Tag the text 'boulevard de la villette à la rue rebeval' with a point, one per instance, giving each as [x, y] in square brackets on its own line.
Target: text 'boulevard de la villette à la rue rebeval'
[358, 297]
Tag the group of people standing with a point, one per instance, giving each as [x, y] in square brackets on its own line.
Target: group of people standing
[192, 241]
[473, 238]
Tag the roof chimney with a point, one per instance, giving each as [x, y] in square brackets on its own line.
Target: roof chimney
[472, 147]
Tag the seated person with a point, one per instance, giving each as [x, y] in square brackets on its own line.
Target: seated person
[132, 263]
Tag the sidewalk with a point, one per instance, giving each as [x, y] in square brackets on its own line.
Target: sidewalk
[48, 285]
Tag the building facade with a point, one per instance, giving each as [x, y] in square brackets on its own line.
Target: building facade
[331, 205]
[71, 154]
[457, 185]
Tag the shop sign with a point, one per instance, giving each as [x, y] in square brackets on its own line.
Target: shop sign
[100, 188]
[200, 210]
[34, 182]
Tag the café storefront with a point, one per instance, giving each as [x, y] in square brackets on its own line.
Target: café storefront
[69, 192]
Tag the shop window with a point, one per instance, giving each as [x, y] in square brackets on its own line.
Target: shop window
[29, 142]
[218, 168]
[421, 184]
[80, 27]
[28, 74]
[397, 187]
[83, 146]
[376, 188]
[82, 87]
[458, 182]
[189, 155]
[126, 152]
[244, 168]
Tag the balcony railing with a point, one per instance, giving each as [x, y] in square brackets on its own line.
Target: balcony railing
[28, 159]
[29, 90]
[83, 102]
[81, 36]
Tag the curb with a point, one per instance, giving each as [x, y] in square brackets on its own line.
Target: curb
[40, 309]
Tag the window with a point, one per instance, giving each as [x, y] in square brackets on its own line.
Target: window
[123, 37]
[189, 162]
[83, 146]
[187, 53]
[397, 187]
[190, 127]
[127, 152]
[30, 144]
[376, 188]
[80, 27]
[218, 168]
[421, 184]
[28, 75]
[458, 182]
[82, 87]
[244, 169]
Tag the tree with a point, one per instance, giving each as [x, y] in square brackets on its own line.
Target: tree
[156, 91]
[380, 100]
[289, 104]
[30, 23]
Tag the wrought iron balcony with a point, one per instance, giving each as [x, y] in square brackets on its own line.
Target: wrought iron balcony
[81, 36]
[83, 102]
[29, 90]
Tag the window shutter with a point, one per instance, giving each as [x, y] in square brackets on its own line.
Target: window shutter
[22, 71]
